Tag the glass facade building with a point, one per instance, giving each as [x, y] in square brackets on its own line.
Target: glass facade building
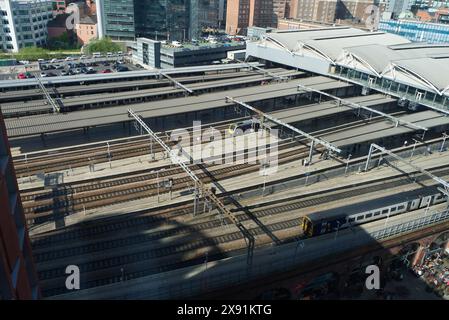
[417, 31]
[162, 19]
[23, 23]
[116, 19]
[156, 19]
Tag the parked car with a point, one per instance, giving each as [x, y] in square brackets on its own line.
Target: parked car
[43, 75]
[51, 74]
[106, 71]
[60, 67]
[92, 71]
[29, 75]
[51, 67]
[64, 73]
[21, 76]
[122, 68]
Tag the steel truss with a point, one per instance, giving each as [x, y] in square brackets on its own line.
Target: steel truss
[443, 183]
[344, 102]
[176, 83]
[200, 188]
[314, 140]
[265, 72]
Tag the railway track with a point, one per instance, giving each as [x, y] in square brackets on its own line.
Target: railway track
[75, 157]
[73, 198]
[69, 198]
[93, 235]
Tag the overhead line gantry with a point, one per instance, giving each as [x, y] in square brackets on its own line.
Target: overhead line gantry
[353, 105]
[314, 140]
[264, 71]
[373, 147]
[200, 188]
[176, 83]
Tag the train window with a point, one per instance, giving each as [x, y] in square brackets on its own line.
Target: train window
[351, 220]
[393, 209]
[360, 217]
[384, 211]
[376, 213]
[401, 207]
[369, 215]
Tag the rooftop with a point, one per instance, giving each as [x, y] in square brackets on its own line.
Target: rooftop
[386, 56]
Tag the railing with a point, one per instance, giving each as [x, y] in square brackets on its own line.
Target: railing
[411, 225]
[418, 96]
[199, 279]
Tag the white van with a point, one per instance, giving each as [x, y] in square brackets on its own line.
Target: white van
[176, 44]
[96, 54]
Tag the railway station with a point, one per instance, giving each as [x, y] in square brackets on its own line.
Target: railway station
[282, 175]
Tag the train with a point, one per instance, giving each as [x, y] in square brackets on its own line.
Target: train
[240, 128]
[318, 223]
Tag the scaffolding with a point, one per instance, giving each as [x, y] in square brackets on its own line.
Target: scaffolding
[314, 140]
[200, 189]
[357, 106]
[47, 96]
[443, 183]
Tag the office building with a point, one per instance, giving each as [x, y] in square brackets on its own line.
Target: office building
[158, 55]
[161, 20]
[116, 19]
[23, 23]
[242, 14]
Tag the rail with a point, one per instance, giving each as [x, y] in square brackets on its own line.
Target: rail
[313, 139]
[374, 146]
[227, 273]
[200, 188]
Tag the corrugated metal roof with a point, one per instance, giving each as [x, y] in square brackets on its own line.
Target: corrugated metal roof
[94, 117]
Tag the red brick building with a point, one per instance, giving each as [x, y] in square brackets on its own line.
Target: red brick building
[18, 278]
[86, 29]
[241, 14]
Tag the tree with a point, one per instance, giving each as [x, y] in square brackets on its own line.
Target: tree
[32, 53]
[103, 45]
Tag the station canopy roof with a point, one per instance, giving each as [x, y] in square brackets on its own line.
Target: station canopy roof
[376, 53]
